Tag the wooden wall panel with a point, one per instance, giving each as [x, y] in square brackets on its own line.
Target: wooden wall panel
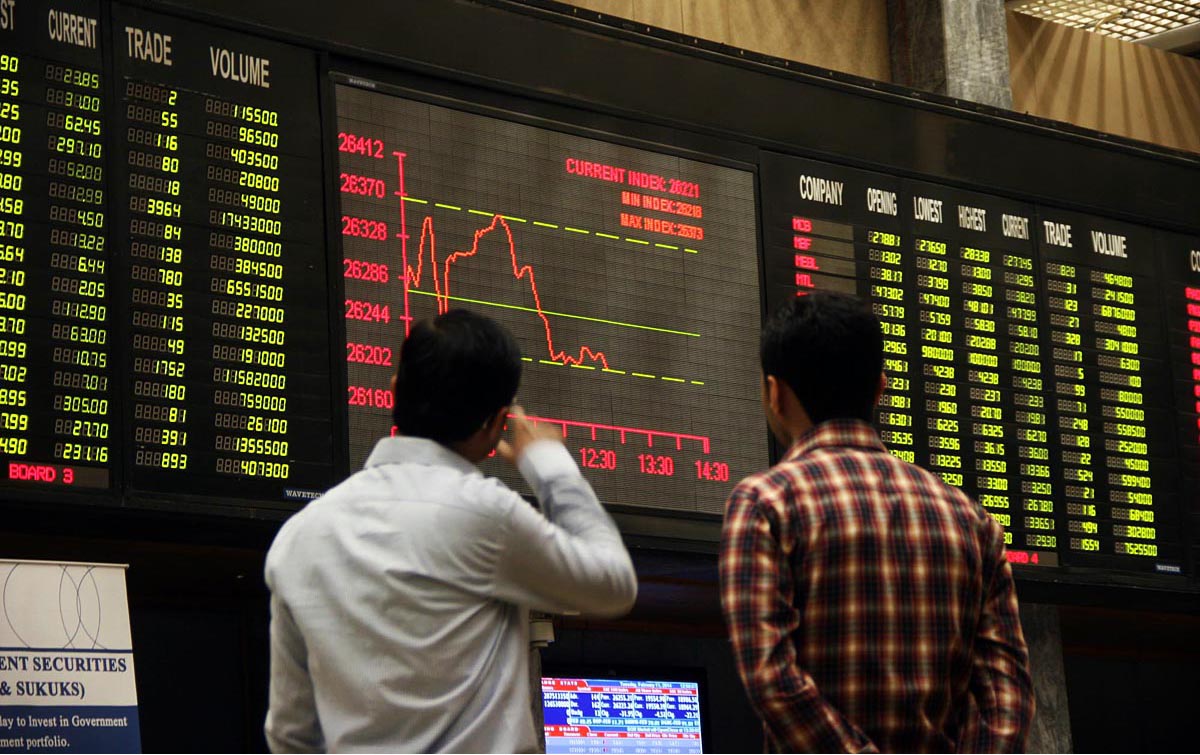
[1105, 84]
[850, 36]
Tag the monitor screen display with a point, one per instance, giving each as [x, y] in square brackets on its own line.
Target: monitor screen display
[596, 715]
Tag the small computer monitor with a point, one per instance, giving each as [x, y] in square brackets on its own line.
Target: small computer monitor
[623, 710]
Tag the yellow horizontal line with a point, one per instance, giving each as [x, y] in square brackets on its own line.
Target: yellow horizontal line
[691, 251]
[618, 372]
[526, 359]
[544, 225]
[697, 382]
[607, 235]
[547, 361]
[667, 246]
[414, 199]
[674, 380]
[574, 230]
[641, 374]
[637, 241]
[583, 367]
[480, 212]
[516, 220]
[446, 206]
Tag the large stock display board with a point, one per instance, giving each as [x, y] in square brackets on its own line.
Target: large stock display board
[1025, 351]
[219, 157]
[207, 270]
[58, 402]
[162, 222]
[627, 276]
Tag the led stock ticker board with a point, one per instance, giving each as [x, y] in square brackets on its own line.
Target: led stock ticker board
[165, 282]
[629, 278]
[1024, 348]
[161, 220]
[219, 155]
[57, 402]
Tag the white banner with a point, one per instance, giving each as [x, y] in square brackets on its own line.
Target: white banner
[66, 659]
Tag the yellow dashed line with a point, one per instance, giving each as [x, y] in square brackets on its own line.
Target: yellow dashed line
[414, 199]
[447, 206]
[574, 230]
[637, 241]
[667, 246]
[481, 212]
[544, 225]
[612, 371]
[515, 220]
[608, 236]
[691, 251]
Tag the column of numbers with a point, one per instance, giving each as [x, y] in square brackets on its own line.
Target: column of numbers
[1029, 402]
[939, 324]
[14, 324]
[77, 229]
[989, 442]
[157, 260]
[249, 361]
[1071, 402]
[888, 302]
[1123, 416]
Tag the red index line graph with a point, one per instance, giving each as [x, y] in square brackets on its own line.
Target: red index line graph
[440, 274]
[623, 431]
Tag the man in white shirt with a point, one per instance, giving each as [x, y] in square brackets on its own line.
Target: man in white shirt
[399, 599]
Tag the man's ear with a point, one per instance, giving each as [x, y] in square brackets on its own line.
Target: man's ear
[395, 377]
[495, 423]
[881, 388]
[773, 394]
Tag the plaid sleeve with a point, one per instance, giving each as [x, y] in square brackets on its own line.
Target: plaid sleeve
[757, 602]
[1000, 681]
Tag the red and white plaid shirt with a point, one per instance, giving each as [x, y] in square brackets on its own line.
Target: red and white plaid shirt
[871, 605]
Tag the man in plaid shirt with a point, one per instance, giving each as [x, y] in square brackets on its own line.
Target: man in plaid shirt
[870, 605]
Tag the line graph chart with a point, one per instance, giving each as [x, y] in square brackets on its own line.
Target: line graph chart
[628, 276]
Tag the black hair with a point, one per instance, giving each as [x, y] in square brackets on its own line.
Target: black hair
[829, 349]
[455, 372]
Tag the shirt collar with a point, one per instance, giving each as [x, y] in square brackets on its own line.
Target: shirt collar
[409, 450]
[834, 433]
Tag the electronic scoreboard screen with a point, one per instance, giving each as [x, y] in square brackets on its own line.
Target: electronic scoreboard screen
[221, 227]
[1024, 349]
[162, 270]
[177, 329]
[629, 277]
[621, 716]
[58, 340]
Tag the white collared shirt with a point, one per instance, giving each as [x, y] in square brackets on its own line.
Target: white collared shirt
[399, 600]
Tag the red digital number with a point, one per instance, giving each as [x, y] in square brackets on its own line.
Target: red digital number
[360, 145]
[367, 311]
[364, 228]
[683, 188]
[375, 272]
[362, 185]
[656, 465]
[365, 353]
[717, 471]
[598, 458]
[358, 395]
